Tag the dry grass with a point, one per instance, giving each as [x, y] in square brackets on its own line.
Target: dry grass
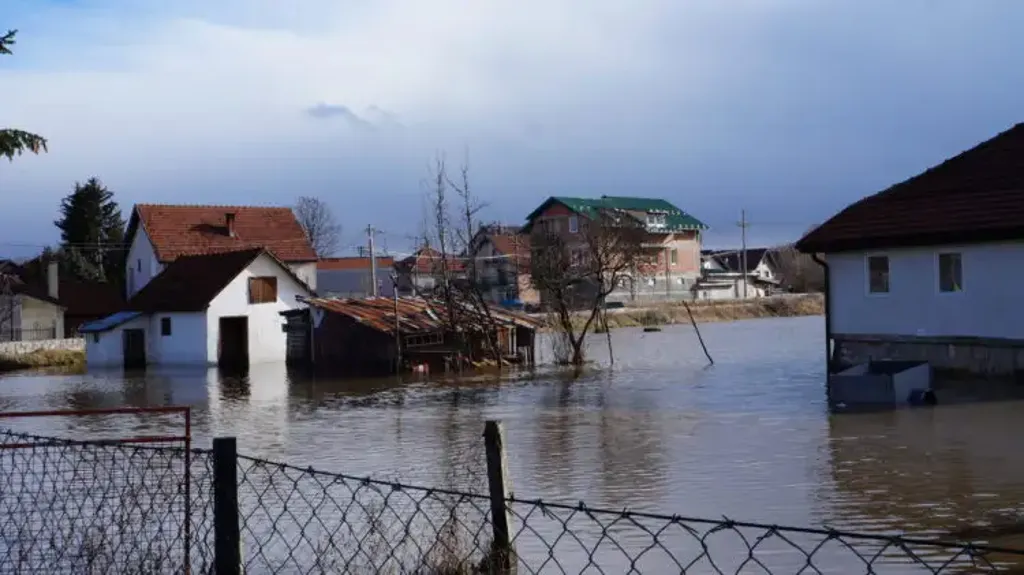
[704, 312]
[63, 358]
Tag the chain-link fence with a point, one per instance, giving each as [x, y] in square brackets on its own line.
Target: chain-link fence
[114, 508]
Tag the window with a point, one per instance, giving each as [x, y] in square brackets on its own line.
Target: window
[138, 265]
[574, 224]
[262, 289]
[951, 273]
[674, 256]
[95, 337]
[165, 326]
[656, 220]
[878, 274]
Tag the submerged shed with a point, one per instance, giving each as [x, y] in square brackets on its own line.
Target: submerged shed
[379, 335]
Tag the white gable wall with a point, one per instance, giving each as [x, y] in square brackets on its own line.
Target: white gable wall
[306, 272]
[142, 264]
[987, 307]
[266, 332]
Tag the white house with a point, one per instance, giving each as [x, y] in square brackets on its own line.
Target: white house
[29, 309]
[722, 274]
[159, 234]
[214, 309]
[926, 269]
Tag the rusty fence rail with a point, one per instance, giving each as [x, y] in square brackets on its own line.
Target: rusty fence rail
[69, 506]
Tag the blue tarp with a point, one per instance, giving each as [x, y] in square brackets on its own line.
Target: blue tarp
[109, 322]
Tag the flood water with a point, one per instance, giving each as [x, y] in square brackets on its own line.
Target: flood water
[749, 438]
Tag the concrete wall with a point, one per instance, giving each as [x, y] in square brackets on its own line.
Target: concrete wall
[988, 306]
[267, 338]
[23, 347]
[39, 316]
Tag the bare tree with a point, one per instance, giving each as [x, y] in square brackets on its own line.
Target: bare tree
[318, 221]
[798, 271]
[575, 273]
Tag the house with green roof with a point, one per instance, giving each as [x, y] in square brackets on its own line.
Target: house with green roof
[672, 233]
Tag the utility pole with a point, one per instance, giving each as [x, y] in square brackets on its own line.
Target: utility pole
[743, 249]
[373, 261]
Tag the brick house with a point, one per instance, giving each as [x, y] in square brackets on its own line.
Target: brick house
[423, 271]
[672, 235]
[502, 261]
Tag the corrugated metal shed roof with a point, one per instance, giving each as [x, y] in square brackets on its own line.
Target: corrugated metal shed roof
[414, 314]
[109, 322]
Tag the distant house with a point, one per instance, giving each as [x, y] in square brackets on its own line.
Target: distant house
[351, 277]
[674, 238]
[82, 300]
[212, 309]
[423, 272]
[30, 309]
[502, 262]
[159, 234]
[925, 269]
[723, 276]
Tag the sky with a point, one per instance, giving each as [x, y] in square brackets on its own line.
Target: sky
[787, 110]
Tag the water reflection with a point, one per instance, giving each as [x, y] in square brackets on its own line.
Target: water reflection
[748, 438]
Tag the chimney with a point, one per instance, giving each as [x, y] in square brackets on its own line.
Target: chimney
[51, 280]
[229, 218]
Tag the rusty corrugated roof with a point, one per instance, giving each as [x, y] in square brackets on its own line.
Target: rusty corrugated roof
[414, 314]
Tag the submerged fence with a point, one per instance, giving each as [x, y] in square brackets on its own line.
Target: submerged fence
[99, 507]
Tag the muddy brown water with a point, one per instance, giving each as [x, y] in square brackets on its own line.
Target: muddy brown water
[748, 438]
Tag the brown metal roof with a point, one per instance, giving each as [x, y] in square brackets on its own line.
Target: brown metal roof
[414, 314]
[975, 196]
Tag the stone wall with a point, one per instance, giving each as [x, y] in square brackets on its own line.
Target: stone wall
[982, 358]
[23, 347]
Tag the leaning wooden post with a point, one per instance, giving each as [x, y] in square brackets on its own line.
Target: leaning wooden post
[227, 546]
[502, 556]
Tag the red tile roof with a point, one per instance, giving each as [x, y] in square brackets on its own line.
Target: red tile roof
[194, 230]
[352, 263]
[190, 283]
[975, 196]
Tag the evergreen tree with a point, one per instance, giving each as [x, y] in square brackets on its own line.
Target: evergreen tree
[15, 142]
[92, 233]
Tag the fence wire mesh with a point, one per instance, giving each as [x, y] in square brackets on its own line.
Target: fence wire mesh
[77, 507]
[101, 507]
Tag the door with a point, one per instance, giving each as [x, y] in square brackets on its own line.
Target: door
[134, 348]
[234, 342]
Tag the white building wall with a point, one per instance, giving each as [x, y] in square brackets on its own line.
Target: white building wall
[266, 334]
[141, 264]
[185, 346]
[988, 306]
[38, 316]
[106, 349]
[306, 272]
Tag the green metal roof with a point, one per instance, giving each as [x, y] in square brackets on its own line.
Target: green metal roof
[675, 219]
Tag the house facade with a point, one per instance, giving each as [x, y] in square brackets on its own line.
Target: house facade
[672, 236]
[159, 234]
[723, 278]
[351, 277]
[30, 309]
[923, 269]
[501, 258]
[424, 270]
[202, 310]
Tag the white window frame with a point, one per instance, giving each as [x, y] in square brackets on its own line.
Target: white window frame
[867, 274]
[574, 224]
[938, 272]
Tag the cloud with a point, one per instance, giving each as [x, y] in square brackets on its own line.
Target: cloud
[794, 103]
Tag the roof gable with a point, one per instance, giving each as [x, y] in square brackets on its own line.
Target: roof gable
[977, 195]
[190, 283]
[182, 230]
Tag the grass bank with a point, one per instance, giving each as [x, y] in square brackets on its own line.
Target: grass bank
[41, 358]
[706, 311]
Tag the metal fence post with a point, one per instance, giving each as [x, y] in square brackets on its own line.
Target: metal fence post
[502, 556]
[227, 550]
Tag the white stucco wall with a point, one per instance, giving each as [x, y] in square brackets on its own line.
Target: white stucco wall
[988, 306]
[306, 272]
[266, 335]
[141, 264]
[185, 346]
[106, 349]
[37, 315]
